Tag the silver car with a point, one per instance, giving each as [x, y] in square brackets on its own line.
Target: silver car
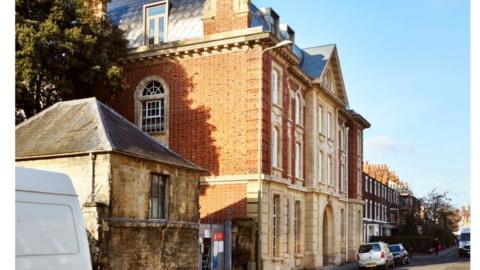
[375, 255]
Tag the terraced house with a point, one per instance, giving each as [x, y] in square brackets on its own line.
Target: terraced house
[217, 82]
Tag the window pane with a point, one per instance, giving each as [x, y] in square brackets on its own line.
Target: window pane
[158, 196]
[151, 31]
[154, 197]
[274, 87]
[161, 29]
[156, 10]
[162, 197]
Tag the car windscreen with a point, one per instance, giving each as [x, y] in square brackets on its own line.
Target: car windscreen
[394, 248]
[369, 247]
[465, 237]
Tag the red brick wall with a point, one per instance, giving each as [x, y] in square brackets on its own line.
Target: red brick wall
[220, 201]
[226, 19]
[213, 109]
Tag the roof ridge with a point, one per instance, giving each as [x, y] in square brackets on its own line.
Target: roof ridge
[325, 45]
[101, 125]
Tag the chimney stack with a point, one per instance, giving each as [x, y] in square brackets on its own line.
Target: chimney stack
[225, 15]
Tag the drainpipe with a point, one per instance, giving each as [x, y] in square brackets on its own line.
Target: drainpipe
[92, 157]
[259, 180]
[346, 212]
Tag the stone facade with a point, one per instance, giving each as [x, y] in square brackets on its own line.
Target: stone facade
[117, 216]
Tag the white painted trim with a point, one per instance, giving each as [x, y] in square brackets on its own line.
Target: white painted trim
[165, 18]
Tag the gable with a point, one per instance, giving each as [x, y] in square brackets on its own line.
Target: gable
[332, 77]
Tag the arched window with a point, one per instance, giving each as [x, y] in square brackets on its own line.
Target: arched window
[152, 99]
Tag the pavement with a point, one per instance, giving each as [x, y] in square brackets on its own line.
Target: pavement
[447, 259]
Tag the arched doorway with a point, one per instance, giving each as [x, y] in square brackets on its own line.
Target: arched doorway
[328, 236]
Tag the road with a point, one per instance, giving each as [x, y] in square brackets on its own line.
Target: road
[446, 260]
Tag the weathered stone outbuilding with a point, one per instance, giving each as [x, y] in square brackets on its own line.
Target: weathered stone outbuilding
[139, 198]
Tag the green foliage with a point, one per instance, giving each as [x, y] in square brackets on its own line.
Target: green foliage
[63, 51]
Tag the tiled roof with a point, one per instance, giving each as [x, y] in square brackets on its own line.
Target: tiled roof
[184, 20]
[315, 60]
[87, 125]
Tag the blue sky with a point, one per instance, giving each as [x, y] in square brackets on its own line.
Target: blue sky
[405, 65]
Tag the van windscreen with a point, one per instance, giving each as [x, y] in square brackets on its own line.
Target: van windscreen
[465, 237]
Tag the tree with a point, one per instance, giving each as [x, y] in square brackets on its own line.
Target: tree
[441, 218]
[63, 51]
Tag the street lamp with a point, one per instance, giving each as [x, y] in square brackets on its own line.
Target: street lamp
[282, 43]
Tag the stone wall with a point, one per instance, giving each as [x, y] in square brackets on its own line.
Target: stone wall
[131, 189]
[136, 242]
[121, 235]
[153, 246]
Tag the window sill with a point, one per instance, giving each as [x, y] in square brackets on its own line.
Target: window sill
[277, 259]
[275, 168]
[298, 255]
[157, 133]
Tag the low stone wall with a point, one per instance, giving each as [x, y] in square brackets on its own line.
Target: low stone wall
[152, 245]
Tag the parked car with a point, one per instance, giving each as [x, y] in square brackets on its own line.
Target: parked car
[400, 254]
[374, 255]
[49, 229]
[464, 242]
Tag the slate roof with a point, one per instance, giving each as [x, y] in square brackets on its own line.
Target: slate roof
[88, 125]
[184, 19]
[185, 22]
[315, 60]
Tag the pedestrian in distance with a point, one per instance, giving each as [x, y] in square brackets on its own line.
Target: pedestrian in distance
[436, 246]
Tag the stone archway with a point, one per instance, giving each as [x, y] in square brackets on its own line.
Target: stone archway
[328, 236]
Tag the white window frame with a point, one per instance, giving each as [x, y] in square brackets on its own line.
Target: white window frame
[371, 209]
[275, 224]
[297, 226]
[329, 124]
[320, 119]
[146, 101]
[275, 147]
[298, 160]
[162, 202]
[298, 109]
[275, 86]
[140, 99]
[146, 20]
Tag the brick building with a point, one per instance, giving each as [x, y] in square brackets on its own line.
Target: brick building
[272, 127]
[139, 199]
[381, 209]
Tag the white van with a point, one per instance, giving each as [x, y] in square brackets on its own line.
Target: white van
[464, 242]
[49, 229]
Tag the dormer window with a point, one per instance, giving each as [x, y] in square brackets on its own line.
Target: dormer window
[272, 19]
[155, 24]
